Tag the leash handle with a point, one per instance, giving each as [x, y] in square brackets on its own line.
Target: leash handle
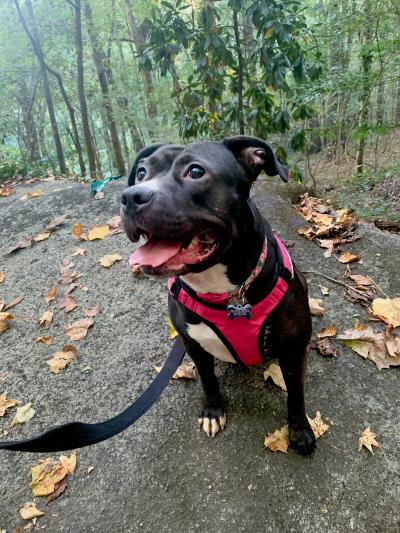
[79, 434]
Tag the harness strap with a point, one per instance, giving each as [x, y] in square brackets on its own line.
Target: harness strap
[78, 434]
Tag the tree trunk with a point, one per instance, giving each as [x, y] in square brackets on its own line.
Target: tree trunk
[37, 47]
[239, 71]
[80, 80]
[100, 63]
[397, 105]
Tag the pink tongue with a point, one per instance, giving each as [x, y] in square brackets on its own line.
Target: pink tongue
[154, 253]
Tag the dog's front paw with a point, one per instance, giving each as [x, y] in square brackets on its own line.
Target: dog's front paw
[302, 439]
[212, 420]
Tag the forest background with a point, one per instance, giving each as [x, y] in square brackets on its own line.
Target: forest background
[85, 84]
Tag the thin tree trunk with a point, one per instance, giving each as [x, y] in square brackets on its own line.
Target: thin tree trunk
[239, 71]
[37, 47]
[90, 148]
[100, 62]
[397, 106]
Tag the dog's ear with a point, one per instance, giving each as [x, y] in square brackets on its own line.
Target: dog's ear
[141, 155]
[255, 155]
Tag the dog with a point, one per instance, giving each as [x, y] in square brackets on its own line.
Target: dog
[191, 204]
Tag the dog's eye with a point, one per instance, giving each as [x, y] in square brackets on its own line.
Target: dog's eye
[196, 172]
[141, 173]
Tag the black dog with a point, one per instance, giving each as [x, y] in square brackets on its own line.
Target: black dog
[192, 205]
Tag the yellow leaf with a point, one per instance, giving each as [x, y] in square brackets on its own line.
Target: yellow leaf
[368, 440]
[329, 331]
[46, 319]
[6, 191]
[348, 257]
[41, 236]
[62, 359]
[98, 232]
[46, 475]
[108, 260]
[387, 310]
[29, 511]
[316, 308]
[275, 373]
[278, 441]
[318, 426]
[77, 231]
[6, 404]
[24, 414]
[172, 331]
[45, 339]
[34, 194]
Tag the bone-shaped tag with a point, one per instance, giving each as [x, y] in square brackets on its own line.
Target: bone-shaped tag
[239, 311]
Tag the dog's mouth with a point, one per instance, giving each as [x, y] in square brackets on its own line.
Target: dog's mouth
[160, 256]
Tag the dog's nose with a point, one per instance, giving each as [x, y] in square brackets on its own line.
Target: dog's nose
[136, 196]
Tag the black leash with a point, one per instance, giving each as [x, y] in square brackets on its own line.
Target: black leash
[78, 434]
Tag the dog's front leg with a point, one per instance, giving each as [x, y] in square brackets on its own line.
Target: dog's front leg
[212, 417]
[301, 436]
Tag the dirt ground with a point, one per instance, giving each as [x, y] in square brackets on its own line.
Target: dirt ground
[163, 474]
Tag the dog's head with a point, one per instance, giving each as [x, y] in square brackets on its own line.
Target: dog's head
[188, 201]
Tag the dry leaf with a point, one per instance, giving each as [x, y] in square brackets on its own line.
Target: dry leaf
[348, 257]
[387, 310]
[2, 305]
[108, 260]
[78, 330]
[308, 233]
[24, 243]
[278, 441]
[5, 321]
[29, 511]
[98, 232]
[15, 302]
[62, 359]
[324, 290]
[46, 475]
[59, 488]
[93, 311]
[187, 371]
[324, 346]
[381, 348]
[361, 280]
[24, 414]
[363, 298]
[51, 294]
[318, 426]
[45, 339]
[33, 194]
[316, 308]
[56, 223]
[46, 319]
[329, 331]
[69, 462]
[4, 191]
[77, 231]
[99, 195]
[368, 440]
[67, 303]
[6, 404]
[114, 222]
[172, 331]
[41, 236]
[2, 276]
[79, 251]
[136, 270]
[275, 373]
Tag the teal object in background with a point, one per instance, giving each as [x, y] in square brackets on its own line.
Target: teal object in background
[98, 186]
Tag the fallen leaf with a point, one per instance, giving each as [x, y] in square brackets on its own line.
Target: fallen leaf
[34, 194]
[67, 303]
[329, 331]
[172, 331]
[56, 223]
[99, 195]
[98, 232]
[275, 373]
[78, 330]
[108, 260]
[278, 441]
[79, 251]
[324, 346]
[363, 297]
[62, 359]
[59, 488]
[6, 404]
[324, 290]
[77, 231]
[316, 308]
[381, 348]
[46, 319]
[2, 305]
[2, 276]
[4, 191]
[92, 311]
[23, 414]
[24, 243]
[69, 462]
[51, 294]
[5, 321]
[309, 233]
[41, 236]
[387, 310]
[368, 440]
[29, 511]
[136, 270]
[45, 339]
[361, 280]
[114, 222]
[15, 302]
[46, 475]
[318, 426]
[348, 257]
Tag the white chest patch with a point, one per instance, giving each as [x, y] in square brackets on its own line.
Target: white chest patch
[214, 280]
[210, 342]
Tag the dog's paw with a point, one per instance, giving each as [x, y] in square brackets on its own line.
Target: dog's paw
[212, 420]
[302, 439]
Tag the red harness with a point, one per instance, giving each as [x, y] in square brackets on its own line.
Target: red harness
[244, 338]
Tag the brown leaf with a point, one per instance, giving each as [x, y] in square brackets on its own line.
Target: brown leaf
[275, 373]
[98, 232]
[92, 311]
[71, 287]
[79, 251]
[51, 294]
[69, 462]
[318, 426]
[5, 321]
[387, 310]
[15, 302]
[368, 440]
[2, 305]
[41, 236]
[59, 488]
[329, 331]
[67, 303]
[46, 319]
[309, 233]
[361, 280]
[56, 223]
[186, 371]
[278, 441]
[29, 511]
[45, 339]
[24, 243]
[67, 277]
[348, 257]
[77, 231]
[62, 359]
[78, 330]
[136, 270]
[114, 222]
[362, 298]
[2, 276]
[324, 346]
[316, 308]
[4, 191]
[108, 260]
[6, 404]
[46, 475]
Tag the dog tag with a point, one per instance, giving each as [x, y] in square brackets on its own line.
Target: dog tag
[239, 311]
